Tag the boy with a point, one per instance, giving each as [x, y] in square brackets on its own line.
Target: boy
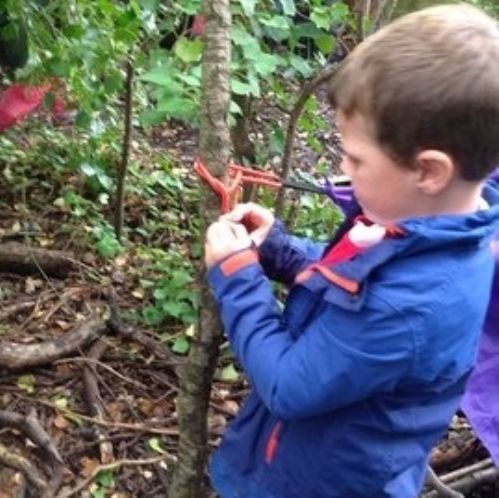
[357, 379]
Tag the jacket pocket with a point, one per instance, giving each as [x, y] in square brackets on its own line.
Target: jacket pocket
[273, 442]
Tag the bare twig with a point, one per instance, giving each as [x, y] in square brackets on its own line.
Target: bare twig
[93, 399]
[322, 76]
[145, 428]
[94, 362]
[457, 474]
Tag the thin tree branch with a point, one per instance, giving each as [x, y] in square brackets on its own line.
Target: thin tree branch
[309, 88]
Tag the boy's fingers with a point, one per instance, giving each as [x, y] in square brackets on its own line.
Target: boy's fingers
[239, 231]
[217, 231]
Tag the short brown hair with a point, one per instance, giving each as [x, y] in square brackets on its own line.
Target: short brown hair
[430, 79]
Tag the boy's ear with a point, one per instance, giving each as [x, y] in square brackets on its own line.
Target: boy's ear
[435, 170]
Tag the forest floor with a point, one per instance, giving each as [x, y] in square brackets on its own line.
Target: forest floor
[100, 421]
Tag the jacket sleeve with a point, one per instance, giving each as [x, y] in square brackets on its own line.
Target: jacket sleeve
[283, 256]
[338, 359]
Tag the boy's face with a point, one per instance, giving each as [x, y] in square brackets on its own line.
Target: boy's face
[386, 190]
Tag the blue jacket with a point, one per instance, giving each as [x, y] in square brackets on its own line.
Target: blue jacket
[357, 379]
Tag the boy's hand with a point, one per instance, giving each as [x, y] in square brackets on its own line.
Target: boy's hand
[257, 220]
[224, 238]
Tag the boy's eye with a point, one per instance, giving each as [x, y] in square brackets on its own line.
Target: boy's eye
[354, 161]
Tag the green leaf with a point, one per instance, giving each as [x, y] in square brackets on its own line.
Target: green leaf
[176, 309]
[188, 50]
[325, 43]
[163, 76]
[340, 13]
[229, 373]
[267, 63]
[277, 140]
[105, 478]
[26, 383]
[288, 7]
[178, 107]
[180, 345]
[61, 402]
[301, 65]
[248, 7]
[152, 315]
[321, 18]
[240, 87]
[155, 444]
[276, 22]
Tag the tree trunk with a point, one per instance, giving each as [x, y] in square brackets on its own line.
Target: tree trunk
[214, 152]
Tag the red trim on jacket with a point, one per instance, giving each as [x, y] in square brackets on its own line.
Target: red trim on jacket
[271, 447]
[238, 261]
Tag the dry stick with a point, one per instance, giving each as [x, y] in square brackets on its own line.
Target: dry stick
[71, 414]
[20, 463]
[15, 356]
[323, 75]
[125, 151]
[112, 466]
[457, 474]
[95, 362]
[443, 490]
[469, 482]
[93, 399]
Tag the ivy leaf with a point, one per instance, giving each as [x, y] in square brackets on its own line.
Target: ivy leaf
[340, 13]
[180, 345]
[321, 18]
[188, 50]
[325, 43]
[267, 63]
[301, 65]
[240, 87]
[288, 7]
[248, 7]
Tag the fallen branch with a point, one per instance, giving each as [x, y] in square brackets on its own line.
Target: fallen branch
[93, 399]
[14, 356]
[113, 466]
[15, 308]
[23, 260]
[20, 463]
[31, 428]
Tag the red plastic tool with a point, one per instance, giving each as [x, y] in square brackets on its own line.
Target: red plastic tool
[239, 175]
